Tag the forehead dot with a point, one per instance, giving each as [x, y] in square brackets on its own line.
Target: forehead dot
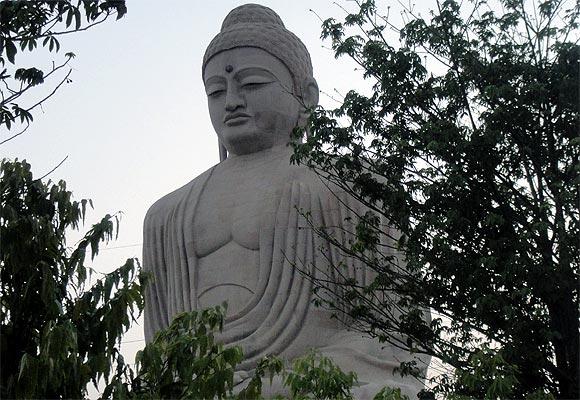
[229, 68]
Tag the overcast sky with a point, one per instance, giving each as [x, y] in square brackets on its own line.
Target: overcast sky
[134, 121]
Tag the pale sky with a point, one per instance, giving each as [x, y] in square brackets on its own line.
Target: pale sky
[134, 122]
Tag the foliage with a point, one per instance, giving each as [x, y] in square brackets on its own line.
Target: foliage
[468, 145]
[489, 374]
[390, 394]
[182, 362]
[57, 333]
[316, 377]
[271, 365]
[24, 26]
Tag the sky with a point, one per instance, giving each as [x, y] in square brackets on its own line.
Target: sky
[134, 122]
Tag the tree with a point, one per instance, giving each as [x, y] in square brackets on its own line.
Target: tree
[57, 332]
[25, 25]
[468, 145]
[183, 361]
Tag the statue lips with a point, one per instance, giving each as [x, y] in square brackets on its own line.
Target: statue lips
[238, 118]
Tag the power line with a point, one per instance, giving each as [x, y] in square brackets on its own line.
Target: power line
[132, 341]
[122, 247]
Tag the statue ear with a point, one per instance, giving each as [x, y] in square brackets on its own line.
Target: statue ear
[309, 99]
[310, 93]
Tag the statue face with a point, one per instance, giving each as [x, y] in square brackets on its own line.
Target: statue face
[250, 98]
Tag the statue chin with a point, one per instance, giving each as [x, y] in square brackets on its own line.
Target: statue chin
[245, 143]
[249, 138]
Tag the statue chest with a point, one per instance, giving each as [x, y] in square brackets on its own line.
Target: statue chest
[228, 218]
[231, 210]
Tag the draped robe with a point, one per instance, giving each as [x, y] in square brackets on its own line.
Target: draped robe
[280, 317]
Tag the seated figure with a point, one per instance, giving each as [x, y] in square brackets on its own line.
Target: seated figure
[236, 233]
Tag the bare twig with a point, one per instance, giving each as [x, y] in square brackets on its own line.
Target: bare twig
[51, 93]
[20, 38]
[18, 93]
[52, 170]
[16, 135]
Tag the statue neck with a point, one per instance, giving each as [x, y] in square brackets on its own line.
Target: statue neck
[265, 156]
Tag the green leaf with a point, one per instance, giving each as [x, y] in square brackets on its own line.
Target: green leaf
[77, 13]
[69, 17]
[10, 50]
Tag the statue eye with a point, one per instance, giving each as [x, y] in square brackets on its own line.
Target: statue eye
[254, 85]
[215, 92]
[255, 82]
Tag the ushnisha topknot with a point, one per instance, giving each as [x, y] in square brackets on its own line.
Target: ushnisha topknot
[254, 25]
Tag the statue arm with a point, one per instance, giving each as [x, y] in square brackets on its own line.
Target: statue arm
[374, 358]
[154, 265]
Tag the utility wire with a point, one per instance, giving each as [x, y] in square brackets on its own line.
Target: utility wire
[122, 247]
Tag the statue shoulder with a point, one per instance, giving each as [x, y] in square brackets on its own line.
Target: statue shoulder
[167, 204]
[317, 183]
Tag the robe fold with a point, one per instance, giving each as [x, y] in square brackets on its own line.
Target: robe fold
[280, 317]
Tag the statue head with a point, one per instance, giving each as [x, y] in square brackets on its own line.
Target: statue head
[259, 81]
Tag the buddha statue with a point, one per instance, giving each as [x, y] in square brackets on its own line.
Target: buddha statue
[237, 232]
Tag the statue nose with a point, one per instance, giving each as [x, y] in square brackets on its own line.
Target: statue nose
[234, 100]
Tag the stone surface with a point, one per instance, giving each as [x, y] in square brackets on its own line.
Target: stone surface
[235, 232]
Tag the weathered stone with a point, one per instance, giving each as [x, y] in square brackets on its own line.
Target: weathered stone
[236, 233]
